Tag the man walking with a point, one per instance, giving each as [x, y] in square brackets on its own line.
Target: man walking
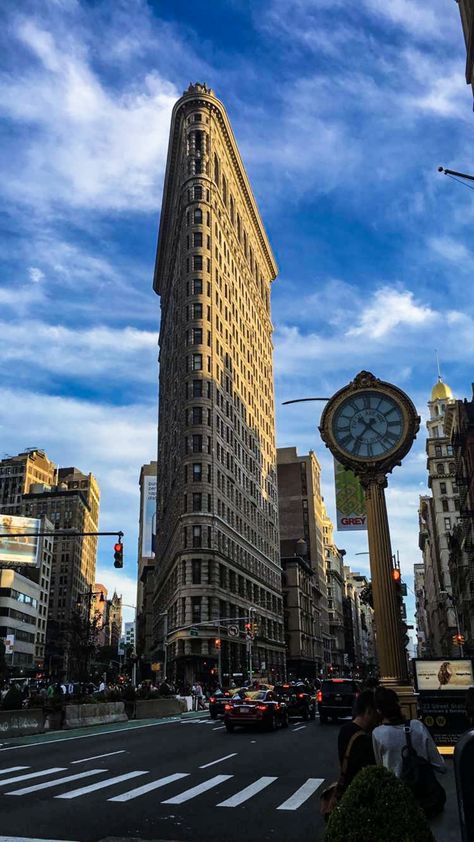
[361, 751]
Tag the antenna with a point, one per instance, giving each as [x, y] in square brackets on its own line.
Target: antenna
[437, 364]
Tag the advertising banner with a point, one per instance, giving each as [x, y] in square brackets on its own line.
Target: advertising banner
[350, 500]
[441, 676]
[148, 515]
[19, 551]
[9, 641]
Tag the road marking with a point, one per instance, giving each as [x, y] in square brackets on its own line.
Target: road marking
[83, 790]
[98, 756]
[95, 735]
[219, 761]
[13, 769]
[219, 728]
[28, 839]
[247, 793]
[197, 790]
[141, 790]
[33, 775]
[298, 729]
[302, 794]
[36, 787]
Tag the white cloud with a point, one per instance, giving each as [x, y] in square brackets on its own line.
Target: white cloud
[388, 310]
[36, 275]
[89, 146]
[450, 249]
[415, 16]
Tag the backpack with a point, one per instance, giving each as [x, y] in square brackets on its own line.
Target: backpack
[419, 776]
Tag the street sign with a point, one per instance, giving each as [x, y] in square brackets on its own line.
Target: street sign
[194, 632]
[233, 631]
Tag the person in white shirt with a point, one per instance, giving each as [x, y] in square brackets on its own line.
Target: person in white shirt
[389, 738]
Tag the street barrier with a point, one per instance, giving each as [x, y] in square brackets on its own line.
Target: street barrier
[80, 716]
[21, 723]
[156, 708]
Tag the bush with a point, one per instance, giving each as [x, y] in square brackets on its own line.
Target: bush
[377, 806]
[13, 700]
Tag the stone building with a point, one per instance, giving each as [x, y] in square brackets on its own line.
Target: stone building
[18, 473]
[217, 550]
[438, 515]
[466, 8]
[301, 517]
[334, 565]
[459, 427]
[420, 611]
[299, 610]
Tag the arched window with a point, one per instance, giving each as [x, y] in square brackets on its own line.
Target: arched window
[216, 170]
[440, 468]
[452, 468]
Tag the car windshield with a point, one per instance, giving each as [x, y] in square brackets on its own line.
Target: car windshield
[260, 696]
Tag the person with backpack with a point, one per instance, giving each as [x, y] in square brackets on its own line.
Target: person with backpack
[407, 749]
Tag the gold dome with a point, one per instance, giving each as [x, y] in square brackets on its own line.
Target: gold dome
[441, 392]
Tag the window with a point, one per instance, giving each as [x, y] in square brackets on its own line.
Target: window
[196, 415]
[197, 262]
[197, 388]
[197, 193]
[197, 472]
[438, 450]
[197, 166]
[197, 362]
[196, 609]
[442, 487]
[197, 239]
[197, 444]
[452, 468]
[440, 468]
[449, 449]
[447, 523]
[197, 336]
[196, 568]
[224, 190]
[197, 217]
[197, 286]
[445, 505]
[197, 502]
[216, 170]
[197, 536]
[183, 572]
[197, 311]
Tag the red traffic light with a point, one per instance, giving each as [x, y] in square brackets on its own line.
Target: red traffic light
[118, 554]
[396, 575]
[118, 548]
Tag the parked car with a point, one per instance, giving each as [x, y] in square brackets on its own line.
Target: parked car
[336, 698]
[264, 710]
[298, 699]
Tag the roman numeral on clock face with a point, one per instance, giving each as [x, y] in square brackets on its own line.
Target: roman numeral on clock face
[345, 441]
[390, 437]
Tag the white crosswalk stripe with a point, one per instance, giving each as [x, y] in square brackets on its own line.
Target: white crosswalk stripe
[302, 794]
[197, 790]
[41, 774]
[84, 790]
[13, 769]
[57, 782]
[247, 793]
[142, 790]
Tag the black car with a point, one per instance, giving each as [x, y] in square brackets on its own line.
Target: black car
[336, 698]
[262, 709]
[298, 699]
[217, 702]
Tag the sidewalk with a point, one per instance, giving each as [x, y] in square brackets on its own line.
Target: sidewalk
[132, 724]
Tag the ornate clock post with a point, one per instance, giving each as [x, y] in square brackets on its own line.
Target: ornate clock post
[369, 426]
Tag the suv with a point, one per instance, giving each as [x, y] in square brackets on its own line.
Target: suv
[336, 698]
[298, 700]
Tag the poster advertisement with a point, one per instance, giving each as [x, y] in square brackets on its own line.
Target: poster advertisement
[441, 676]
[19, 550]
[148, 515]
[350, 500]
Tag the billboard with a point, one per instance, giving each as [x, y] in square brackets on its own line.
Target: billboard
[148, 515]
[455, 675]
[350, 500]
[19, 550]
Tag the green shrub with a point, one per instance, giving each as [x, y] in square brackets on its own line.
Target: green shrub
[377, 806]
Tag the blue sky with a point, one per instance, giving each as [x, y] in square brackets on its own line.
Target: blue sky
[342, 113]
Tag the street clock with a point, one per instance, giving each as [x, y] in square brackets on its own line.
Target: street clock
[369, 425]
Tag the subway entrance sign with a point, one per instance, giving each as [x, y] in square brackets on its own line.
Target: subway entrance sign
[194, 632]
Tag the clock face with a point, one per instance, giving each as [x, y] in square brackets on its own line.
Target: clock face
[368, 425]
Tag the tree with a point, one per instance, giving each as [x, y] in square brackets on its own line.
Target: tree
[80, 636]
[366, 596]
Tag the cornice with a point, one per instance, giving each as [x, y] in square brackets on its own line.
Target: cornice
[200, 96]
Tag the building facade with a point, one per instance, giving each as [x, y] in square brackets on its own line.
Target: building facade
[438, 516]
[217, 550]
[302, 517]
[146, 567]
[72, 504]
[420, 611]
[299, 611]
[334, 565]
[466, 9]
[459, 427]
[18, 473]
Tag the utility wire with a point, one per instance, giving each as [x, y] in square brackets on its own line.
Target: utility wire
[469, 186]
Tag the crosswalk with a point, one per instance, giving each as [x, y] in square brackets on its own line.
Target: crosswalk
[99, 779]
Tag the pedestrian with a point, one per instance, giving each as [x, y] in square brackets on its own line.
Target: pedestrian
[407, 749]
[199, 697]
[470, 706]
[355, 750]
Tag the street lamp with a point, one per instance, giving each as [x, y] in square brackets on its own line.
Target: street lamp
[454, 604]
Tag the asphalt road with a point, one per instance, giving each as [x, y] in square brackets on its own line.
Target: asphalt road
[186, 781]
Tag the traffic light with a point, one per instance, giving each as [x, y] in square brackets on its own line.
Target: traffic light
[254, 629]
[458, 639]
[248, 631]
[217, 643]
[118, 554]
[396, 576]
